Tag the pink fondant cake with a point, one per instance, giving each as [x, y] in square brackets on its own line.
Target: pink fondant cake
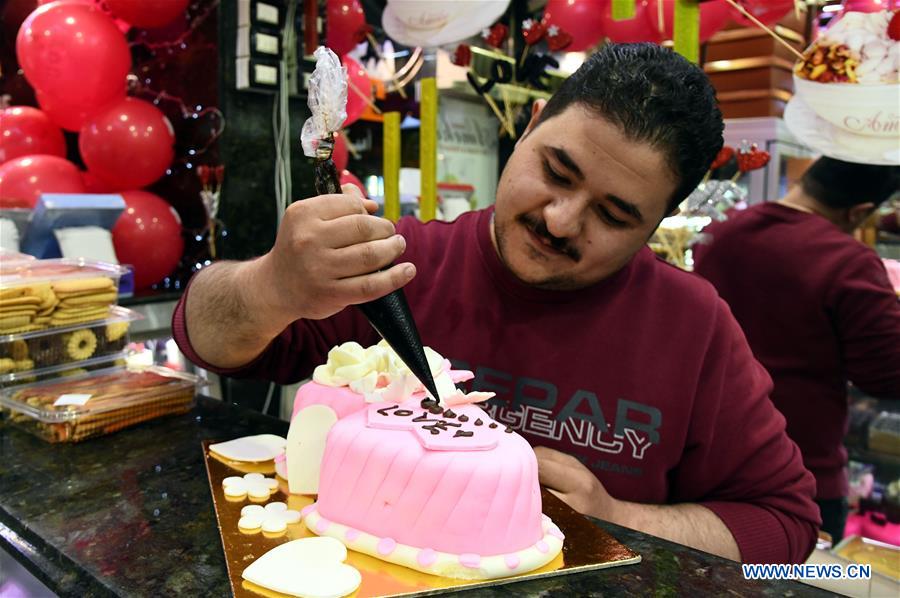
[444, 490]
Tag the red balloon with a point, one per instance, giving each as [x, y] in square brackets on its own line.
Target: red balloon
[129, 144]
[22, 180]
[93, 184]
[148, 236]
[767, 11]
[637, 29]
[73, 51]
[344, 20]
[70, 117]
[359, 88]
[340, 154]
[26, 131]
[147, 13]
[120, 24]
[582, 19]
[348, 177]
[713, 16]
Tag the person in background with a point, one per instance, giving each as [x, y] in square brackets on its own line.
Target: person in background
[632, 375]
[816, 306]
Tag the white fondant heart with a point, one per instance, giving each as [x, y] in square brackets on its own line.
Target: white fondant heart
[308, 567]
[305, 447]
[253, 449]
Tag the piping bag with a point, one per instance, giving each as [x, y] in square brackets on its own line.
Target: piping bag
[390, 315]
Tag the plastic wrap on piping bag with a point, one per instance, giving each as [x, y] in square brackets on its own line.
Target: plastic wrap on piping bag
[327, 102]
[390, 315]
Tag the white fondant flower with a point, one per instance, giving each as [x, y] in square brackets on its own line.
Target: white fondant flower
[379, 374]
[256, 485]
[273, 518]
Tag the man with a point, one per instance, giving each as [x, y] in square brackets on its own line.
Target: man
[633, 375]
[816, 306]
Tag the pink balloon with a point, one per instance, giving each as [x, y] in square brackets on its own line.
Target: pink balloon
[27, 131]
[73, 51]
[348, 177]
[582, 19]
[340, 154]
[22, 180]
[870, 5]
[359, 85]
[713, 16]
[147, 13]
[129, 144]
[767, 11]
[148, 236]
[70, 117]
[637, 29]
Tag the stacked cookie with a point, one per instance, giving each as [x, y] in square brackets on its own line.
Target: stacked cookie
[40, 305]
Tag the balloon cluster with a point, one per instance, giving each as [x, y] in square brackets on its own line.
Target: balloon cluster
[75, 56]
[589, 21]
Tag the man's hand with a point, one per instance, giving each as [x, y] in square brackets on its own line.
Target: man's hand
[689, 524]
[573, 483]
[329, 254]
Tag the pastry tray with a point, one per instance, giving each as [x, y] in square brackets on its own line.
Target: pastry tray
[586, 547]
[102, 402]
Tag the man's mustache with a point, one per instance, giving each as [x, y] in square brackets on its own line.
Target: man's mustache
[539, 228]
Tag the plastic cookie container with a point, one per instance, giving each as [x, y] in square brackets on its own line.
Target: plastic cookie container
[76, 408]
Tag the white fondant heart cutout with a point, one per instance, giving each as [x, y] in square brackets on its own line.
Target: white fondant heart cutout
[308, 567]
[253, 449]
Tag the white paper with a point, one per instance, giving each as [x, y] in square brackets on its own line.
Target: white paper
[9, 235]
[90, 242]
[72, 399]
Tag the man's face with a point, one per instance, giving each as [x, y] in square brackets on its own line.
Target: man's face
[577, 199]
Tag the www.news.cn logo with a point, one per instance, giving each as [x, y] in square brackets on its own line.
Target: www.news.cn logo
[807, 571]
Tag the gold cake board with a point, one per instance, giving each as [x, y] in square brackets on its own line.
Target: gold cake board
[586, 547]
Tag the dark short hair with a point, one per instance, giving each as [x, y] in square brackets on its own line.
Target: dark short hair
[839, 184]
[653, 95]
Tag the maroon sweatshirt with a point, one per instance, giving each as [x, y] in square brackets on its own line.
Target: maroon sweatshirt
[818, 310]
[645, 377]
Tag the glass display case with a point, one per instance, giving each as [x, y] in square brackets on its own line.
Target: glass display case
[789, 157]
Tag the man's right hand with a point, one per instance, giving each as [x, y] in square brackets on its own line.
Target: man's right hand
[329, 254]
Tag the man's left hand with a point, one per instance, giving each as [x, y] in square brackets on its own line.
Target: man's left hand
[574, 484]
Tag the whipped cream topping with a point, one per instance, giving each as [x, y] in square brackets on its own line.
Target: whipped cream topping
[379, 374]
[865, 34]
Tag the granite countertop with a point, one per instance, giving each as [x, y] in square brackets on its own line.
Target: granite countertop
[131, 515]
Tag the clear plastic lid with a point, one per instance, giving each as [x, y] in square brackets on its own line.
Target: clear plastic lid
[18, 273]
[9, 257]
[116, 314]
[106, 361]
[75, 398]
